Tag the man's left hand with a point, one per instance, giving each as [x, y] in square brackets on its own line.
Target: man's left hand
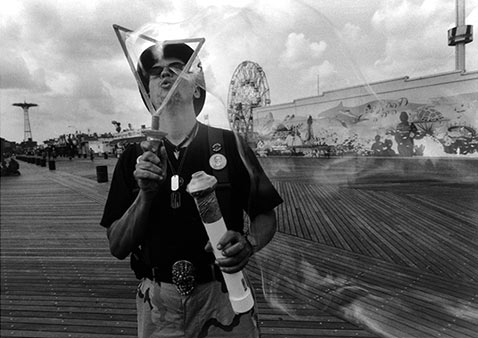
[236, 251]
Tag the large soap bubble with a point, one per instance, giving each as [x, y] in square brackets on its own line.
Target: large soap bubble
[277, 38]
[331, 254]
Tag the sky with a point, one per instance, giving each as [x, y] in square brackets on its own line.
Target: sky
[65, 56]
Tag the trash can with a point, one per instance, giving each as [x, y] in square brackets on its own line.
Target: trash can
[102, 173]
[51, 165]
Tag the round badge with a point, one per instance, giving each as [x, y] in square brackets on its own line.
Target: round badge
[218, 161]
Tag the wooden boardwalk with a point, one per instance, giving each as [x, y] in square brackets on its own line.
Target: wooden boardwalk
[350, 260]
[398, 256]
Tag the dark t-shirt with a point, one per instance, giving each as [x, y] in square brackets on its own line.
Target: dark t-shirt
[176, 234]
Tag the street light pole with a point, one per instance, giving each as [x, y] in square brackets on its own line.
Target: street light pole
[460, 35]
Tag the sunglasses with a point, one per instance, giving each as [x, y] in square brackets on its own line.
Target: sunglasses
[175, 67]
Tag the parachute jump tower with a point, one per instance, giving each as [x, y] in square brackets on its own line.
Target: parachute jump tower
[26, 106]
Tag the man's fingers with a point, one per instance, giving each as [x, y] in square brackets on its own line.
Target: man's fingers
[153, 146]
[234, 249]
[234, 263]
[149, 156]
[234, 268]
[147, 146]
[149, 166]
[147, 174]
[163, 157]
[230, 237]
[208, 247]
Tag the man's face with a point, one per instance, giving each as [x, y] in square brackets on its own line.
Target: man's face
[163, 75]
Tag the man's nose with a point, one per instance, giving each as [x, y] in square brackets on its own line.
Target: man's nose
[167, 71]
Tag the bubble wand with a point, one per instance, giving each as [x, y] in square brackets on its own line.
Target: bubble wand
[155, 134]
[201, 188]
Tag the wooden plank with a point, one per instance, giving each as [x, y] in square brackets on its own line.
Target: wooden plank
[343, 217]
[333, 223]
[374, 220]
[319, 220]
[418, 228]
[429, 322]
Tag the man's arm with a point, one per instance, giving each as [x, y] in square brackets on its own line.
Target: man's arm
[126, 233]
[237, 249]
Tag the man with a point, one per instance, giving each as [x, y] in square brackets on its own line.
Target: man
[150, 215]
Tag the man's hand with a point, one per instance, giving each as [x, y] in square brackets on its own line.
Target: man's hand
[151, 169]
[235, 249]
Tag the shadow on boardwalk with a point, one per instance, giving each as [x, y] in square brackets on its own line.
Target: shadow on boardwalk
[354, 258]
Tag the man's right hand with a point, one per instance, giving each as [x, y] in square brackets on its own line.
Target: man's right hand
[151, 169]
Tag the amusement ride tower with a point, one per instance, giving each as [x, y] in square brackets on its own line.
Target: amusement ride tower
[26, 123]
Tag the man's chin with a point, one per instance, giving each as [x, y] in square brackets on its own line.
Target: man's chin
[170, 104]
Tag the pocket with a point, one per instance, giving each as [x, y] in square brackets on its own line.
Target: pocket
[218, 308]
[167, 313]
[219, 319]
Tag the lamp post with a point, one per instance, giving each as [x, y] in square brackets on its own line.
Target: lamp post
[460, 35]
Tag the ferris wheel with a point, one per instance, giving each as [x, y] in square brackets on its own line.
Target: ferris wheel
[248, 90]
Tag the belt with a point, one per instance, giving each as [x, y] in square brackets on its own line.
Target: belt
[185, 276]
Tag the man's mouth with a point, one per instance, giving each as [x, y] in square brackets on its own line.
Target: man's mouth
[166, 84]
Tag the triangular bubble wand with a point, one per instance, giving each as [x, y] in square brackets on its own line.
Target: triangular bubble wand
[155, 134]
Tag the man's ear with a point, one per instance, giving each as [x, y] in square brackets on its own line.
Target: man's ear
[197, 93]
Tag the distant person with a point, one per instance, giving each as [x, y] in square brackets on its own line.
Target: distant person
[92, 154]
[404, 135]
[388, 151]
[4, 168]
[13, 167]
[377, 147]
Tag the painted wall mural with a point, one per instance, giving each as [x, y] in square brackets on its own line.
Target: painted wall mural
[440, 126]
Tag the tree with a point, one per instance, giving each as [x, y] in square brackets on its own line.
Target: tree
[117, 125]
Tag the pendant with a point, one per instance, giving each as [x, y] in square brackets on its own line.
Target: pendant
[175, 199]
[174, 182]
